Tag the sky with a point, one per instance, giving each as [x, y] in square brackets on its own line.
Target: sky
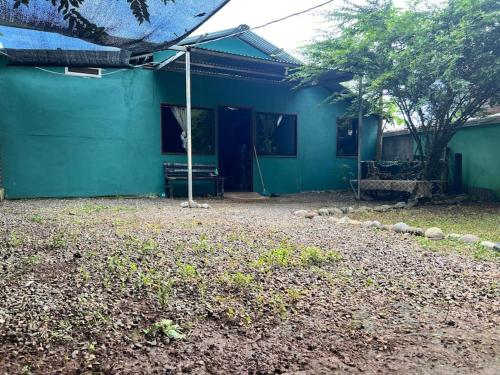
[289, 34]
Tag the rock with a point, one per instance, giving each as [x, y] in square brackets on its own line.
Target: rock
[367, 224]
[382, 208]
[401, 227]
[364, 209]
[310, 214]
[469, 238]
[434, 233]
[350, 210]
[344, 210]
[315, 218]
[334, 220]
[415, 231]
[400, 205]
[300, 213]
[355, 222]
[387, 227]
[205, 206]
[453, 236]
[335, 211]
[488, 244]
[377, 224]
[497, 246]
[344, 220]
[323, 212]
[185, 204]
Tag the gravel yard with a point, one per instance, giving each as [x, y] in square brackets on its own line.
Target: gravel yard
[140, 286]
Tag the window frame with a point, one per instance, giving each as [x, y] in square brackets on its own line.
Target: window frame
[68, 72]
[296, 132]
[215, 149]
[353, 156]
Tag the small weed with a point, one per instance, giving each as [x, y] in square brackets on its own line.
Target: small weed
[294, 295]
[203, 246]
[58, 241]
[167, 328]
[30, 262]
[187, 271]
[15, 239]
[315, 256]
[239, 281]
[369, 282]
[278, 305]
[37, 219]
[164, 291]
[84, 273]
[281, 256]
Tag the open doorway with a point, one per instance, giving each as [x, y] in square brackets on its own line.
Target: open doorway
[235, 148]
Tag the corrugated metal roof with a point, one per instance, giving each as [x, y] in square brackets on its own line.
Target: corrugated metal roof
[243, 32]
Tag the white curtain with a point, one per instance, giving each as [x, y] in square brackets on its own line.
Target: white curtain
[180, 114]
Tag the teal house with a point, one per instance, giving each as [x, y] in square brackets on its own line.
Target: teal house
[106, 131]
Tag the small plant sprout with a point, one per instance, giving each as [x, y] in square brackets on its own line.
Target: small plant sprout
[164, 291]
[279, 256]
[187, 271]
[14, 240]
[315, 256]
[167, 328]
[37, 219]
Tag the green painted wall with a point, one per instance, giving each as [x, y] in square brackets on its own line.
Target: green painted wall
[480, 156]
[69, 136]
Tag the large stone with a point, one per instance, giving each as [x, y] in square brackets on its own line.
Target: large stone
[377, 224]
[434, 233]
[469, 238]
[301, 213]
[488, 244]
[335, 211]
[323, 212]
[311, 214]
[401, 227]
[400, 205]
[344, 220]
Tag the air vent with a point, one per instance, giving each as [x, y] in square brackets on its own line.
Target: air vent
[84, 72]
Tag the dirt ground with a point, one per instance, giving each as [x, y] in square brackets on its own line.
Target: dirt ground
[142, 286]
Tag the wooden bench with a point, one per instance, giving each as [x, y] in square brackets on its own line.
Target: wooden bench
[178, 171]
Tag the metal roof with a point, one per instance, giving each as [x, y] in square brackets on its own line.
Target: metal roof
[244, 33]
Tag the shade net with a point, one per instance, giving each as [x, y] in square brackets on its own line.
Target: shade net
[96, 32]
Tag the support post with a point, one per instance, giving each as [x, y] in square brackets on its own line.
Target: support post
[360, 132]
[188, 125]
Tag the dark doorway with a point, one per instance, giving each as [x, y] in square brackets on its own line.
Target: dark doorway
[235, 148]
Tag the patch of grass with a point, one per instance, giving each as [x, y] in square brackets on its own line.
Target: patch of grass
[187, 271]
[281, 256]
[315, 256]
[164, 291]
[15, 239]
[30, 262]
[39, 219]
[203, 246]
[59, 241]
[239, 281]
[480, 220]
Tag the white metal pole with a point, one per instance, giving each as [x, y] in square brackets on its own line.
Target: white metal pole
[360, 132]
[188, 123]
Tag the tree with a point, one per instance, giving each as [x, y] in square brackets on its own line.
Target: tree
[438, 64]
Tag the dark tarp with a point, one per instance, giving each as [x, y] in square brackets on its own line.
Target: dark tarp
[41, 34]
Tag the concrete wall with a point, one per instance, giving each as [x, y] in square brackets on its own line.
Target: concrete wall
[478, 145]
[63, 136]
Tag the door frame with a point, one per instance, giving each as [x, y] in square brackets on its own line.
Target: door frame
[252, 136]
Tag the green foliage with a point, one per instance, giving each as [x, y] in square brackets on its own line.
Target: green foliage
[315, 256]
[14, 239]
[281, 256]
[37, 219]
[439, 65]
[187, 271]
[167, 328]
[239, 281]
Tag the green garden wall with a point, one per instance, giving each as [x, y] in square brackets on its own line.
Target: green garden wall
[480, 156]
[63, 136]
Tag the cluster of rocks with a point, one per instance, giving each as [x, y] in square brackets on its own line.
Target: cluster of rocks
[338, 216]
[335, 211]
[195, 205]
